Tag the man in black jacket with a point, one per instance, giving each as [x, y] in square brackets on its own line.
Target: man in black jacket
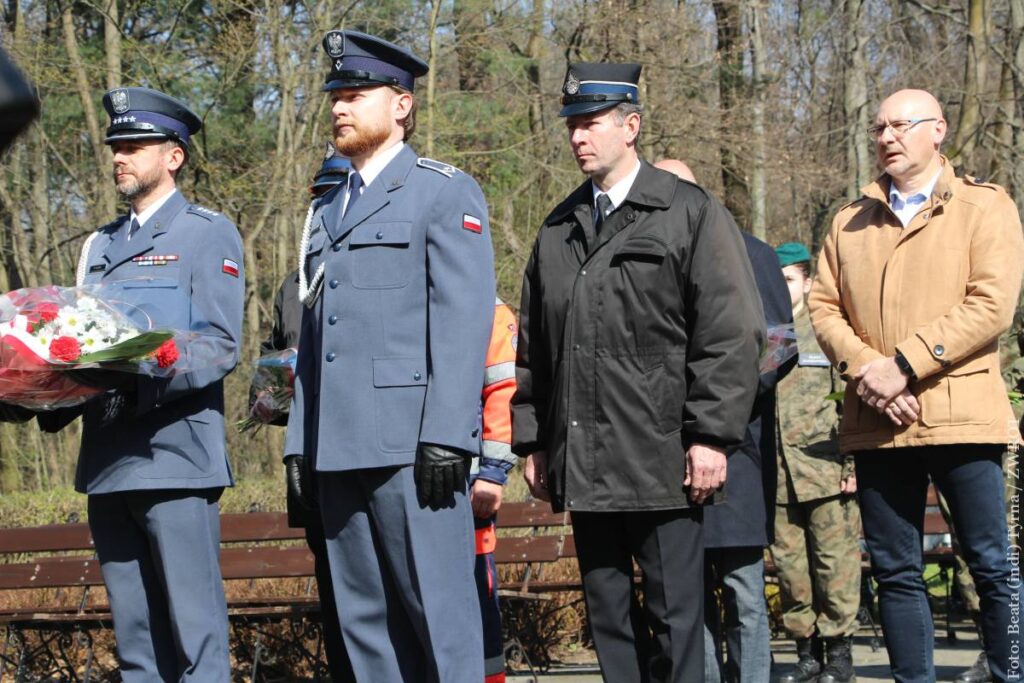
[637, 367]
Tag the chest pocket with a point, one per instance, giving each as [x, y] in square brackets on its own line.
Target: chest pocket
[381, 256]
[640, 250]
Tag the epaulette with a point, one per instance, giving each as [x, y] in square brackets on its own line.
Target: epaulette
[197, 210]
[113, 225]
[444, 169]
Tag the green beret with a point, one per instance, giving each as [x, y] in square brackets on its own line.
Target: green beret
[792, 252]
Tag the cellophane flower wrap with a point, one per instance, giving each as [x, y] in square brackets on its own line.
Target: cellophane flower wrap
[779, 347]
[47, 333]
[273, 386]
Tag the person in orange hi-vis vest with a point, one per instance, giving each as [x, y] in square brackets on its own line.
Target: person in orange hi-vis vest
[488, 476]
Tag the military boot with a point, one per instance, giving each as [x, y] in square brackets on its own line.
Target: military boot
[808, 665]
[978, 673]
[838, 661]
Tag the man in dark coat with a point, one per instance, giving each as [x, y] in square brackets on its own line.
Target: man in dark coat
[637, 369]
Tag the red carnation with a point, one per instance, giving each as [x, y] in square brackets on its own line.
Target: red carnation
[65, 349]
[167, 355]
[48, 312]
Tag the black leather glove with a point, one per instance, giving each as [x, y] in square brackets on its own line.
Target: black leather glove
[101, 378]
[439, 472]
[298, 471]
[12, 413]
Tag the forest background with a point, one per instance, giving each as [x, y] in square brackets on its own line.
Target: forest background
[766, 100]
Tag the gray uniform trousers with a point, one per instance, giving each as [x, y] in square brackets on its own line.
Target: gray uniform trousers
[160, 550]
[386, 549]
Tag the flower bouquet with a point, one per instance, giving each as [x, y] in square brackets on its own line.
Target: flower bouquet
[48, 333]
[779, 347]
[272, 389]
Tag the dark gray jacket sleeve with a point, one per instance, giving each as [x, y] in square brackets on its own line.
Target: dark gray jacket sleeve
[725, 328]
[533, 374]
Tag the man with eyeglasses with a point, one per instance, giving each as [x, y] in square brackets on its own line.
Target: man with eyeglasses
[916, 282]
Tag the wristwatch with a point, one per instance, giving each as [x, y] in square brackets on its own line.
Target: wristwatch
[904, 365]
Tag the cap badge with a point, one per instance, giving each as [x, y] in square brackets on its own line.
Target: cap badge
[119, 101]
[572, 84]
[335, 44]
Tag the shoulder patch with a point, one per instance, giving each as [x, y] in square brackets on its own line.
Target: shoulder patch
[444, 169]
[196, 210]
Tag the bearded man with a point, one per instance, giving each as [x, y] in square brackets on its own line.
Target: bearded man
[397, 274]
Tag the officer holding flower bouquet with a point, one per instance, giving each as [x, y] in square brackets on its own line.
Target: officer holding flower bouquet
[153, 459]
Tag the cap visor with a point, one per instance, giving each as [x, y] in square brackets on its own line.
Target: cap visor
[342, 83]
[577, 108]
[136, 135]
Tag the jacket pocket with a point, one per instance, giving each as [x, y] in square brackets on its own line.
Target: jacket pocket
[400, 386]
[666, 398]
[646, 249]
[958, 397]
[179, 451]
[381, 255]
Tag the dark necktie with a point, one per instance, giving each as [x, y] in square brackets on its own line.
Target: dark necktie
[134, 228]
[355, 182]
[604, 205]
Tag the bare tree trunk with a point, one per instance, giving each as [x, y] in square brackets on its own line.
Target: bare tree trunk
[969, 129]
[106, 202]
[758, 172]
[435, 12]
[1017, 57]
[112, 44]
[855, 100]
[471, 40]
[731, 84]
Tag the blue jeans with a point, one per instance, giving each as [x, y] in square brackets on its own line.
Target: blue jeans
[892, 484]
[740, 573]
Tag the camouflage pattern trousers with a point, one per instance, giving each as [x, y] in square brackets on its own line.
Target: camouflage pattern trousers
[817, 557]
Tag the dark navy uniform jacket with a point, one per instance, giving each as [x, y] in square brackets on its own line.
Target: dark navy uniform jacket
[392, 352]
[171, 433]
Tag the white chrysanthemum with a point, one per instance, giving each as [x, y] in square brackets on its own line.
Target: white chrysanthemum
[92, 342]
[71, 322]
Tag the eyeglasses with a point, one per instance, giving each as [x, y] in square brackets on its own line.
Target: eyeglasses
[898, 128]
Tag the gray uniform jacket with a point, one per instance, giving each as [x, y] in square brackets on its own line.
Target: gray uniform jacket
[171, 436]
[393, 350]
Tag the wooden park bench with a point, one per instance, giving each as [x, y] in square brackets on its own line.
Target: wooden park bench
[56, 566]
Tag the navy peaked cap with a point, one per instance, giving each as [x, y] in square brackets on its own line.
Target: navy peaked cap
[359, 60]
[145, 114]
[591, 87]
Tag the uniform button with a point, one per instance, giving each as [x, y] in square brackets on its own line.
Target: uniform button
[333, 284]
[574, 423]
[416, 376]
[333, 319]
[842, 366]
[380, 235]
[575, 347]
[583, 272]
[336, 247]
[475, 432]
[331, 356]
[939, 349]
[571, 503]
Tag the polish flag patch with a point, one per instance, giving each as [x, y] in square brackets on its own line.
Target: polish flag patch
[229, 267]
[472, 223]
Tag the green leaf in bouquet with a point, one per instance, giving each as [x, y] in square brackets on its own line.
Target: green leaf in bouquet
[835, 396]
[130, 349]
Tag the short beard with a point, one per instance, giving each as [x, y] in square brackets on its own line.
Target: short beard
[363, 141]
[139, 187]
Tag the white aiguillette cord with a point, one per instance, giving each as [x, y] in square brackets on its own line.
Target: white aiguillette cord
[309, 291]
[83, 260]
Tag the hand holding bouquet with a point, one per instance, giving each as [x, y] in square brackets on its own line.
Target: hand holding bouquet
[272, 389]
[57, 343]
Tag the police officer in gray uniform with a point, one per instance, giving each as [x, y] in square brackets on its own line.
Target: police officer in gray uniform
[398, 281]
[153, 459]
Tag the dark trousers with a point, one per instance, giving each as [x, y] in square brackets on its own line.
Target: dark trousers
[334, 646]
[892, 485]
[486, 574]
[663, 640]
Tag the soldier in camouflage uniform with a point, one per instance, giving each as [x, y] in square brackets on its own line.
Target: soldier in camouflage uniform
[1011, 351]
[817, 521]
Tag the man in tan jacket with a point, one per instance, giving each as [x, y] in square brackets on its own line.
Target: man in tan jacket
[916, 281]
